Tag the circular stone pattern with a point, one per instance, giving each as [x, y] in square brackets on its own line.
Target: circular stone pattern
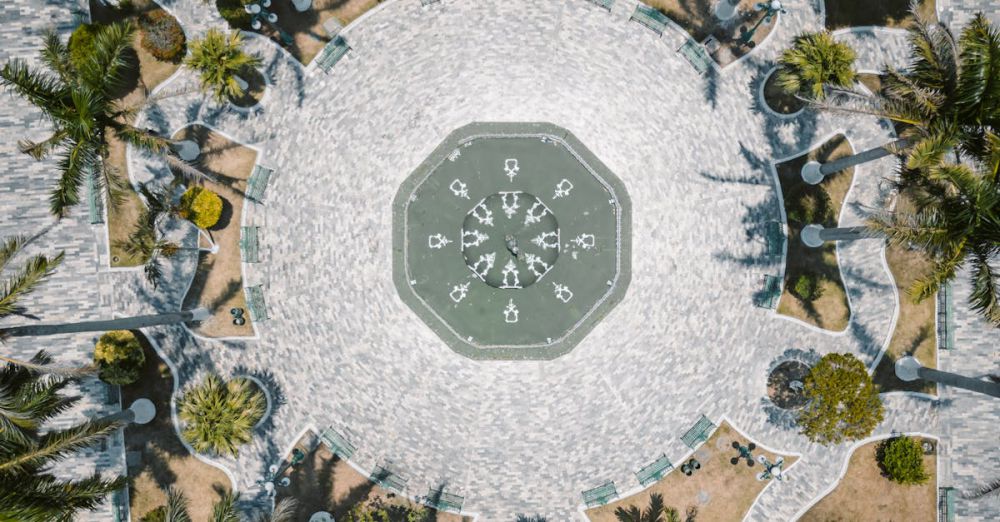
[511, 241]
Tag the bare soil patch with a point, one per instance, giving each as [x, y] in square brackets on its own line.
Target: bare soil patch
[218, 281]
[830, 311]
[889, 13]
[729, 489]
[324, 482]
[864, 494]
[697, 17]
[157, 458]
[777, 99]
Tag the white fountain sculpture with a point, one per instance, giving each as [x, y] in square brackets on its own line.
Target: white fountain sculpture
[486, 261]
[532, 261]
[437, 241]
[454, 155]
[510, 202]
[584, 241]
[482, 214]
[477, 238]
[563, 293]
[533, 215]
[510, 314]
[511, 168]
[510, 276]
[548, 239]
[458, 292]
[563, 188]
[459, 188]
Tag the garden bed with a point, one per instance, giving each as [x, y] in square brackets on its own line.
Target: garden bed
[817, 266]
[864, 494]
[254, 92]
[777, 99]
[146, 74]
[730, 489]
[157, 458]
[699, 20]
[324, 482]
[889, 13]
[218, 280]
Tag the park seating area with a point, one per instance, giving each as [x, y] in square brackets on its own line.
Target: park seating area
[606, 4]
[332, 53]
[389, 479]
[945, 318]
[770, 293]
[257, 184]
[698, 433]
[337, 443]
[94, 210]
[440, 500]
[249, 244]
[774, 236]
[696, 55]
[600, 495]
[255, 303]
[654, 471]
[651, 18]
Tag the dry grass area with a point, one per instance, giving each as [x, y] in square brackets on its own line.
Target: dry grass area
[889, 13]
[697, 17]
[324, 482]
[915, 332]
[864, 494]
[777, 99]
[731, 489]
[161, 461]
[831, 310]
[145, 74]
[218, 281]
[306, 28]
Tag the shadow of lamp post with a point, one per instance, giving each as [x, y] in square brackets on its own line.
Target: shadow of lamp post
[140, 412]
[125, 323]
[275, 471]
[770, 9]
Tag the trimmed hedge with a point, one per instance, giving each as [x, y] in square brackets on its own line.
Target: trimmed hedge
[162, 36]
[201, 207]
[807, 288]
[810, 205]
[119, 357]
[902, 459]
[81, 43]
[233, 12]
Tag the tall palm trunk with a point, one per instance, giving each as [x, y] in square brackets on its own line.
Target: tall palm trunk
[127, 323]
[909, 369]
[863, 157]
[815, 235]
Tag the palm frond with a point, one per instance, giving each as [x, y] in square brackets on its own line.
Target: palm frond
[55, 446]
[985, 297]
[41, 90]
[55, 55]
[176, 508]
[102, 69]
[25, 280]
[225, 509]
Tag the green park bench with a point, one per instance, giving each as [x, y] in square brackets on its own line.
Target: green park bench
[698, 433]
[257, 183]
[600, 495]
[441, 501]
[696, 55]
[651, 18]
[426, 3]
[946, 504]
[604, 3]
[654, 471]
[770, 294]
[774, 235]
[332, 53]
[337, 443]
[255, 303]
[249, 244]
[119, 506]
[388, 479]
[946, 318]
[93, 201]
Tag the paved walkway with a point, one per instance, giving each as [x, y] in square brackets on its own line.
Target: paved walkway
[341, 349]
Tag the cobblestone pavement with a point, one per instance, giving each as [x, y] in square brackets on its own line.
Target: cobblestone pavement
[341, 348]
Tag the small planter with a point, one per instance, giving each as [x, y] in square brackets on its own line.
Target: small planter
[254, 88]
[776, 100]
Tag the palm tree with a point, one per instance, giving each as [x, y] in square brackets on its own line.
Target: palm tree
[948, 100]
[219, 58]
[655, 512]
[814, 61]
[225, 509]
[78, 100]
[23, 281]
[28, 490]
[220, 416]
[144, 245]
[956, 221]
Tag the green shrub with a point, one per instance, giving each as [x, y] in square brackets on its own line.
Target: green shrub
[902, 459]
[201, 207]
[809, 205]
[119, 357]
[807, 287]
[157, 515]
[220, 415]
[842, 401]
[81, 43]
[162, 36]
[233, 12]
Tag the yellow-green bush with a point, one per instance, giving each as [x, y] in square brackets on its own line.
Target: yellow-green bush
[81, 43]
[119, 357]
[201, 207]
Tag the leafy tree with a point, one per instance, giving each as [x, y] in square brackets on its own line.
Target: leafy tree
[219, 58]
[814, 61]
[78, 100]
[378, 511]
[201, 206]
[655, 512]
[843, 403]
[29, 492]
[119, 357]
[220, 416]
[956, 221]
[903, 460]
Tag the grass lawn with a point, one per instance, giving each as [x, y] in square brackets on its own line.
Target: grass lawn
[731, 489]
[890, 13]
[864, 494]
[830, 311]
[162, 461]
[915, 332]
[324, 482]
[306, 28]
[218, 281]
[777, 99]
[697, 17]
[147, 72]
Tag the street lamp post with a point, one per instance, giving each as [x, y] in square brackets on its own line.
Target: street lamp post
[770, 9]
[140, 412]
[259, 15]
[910, 369]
